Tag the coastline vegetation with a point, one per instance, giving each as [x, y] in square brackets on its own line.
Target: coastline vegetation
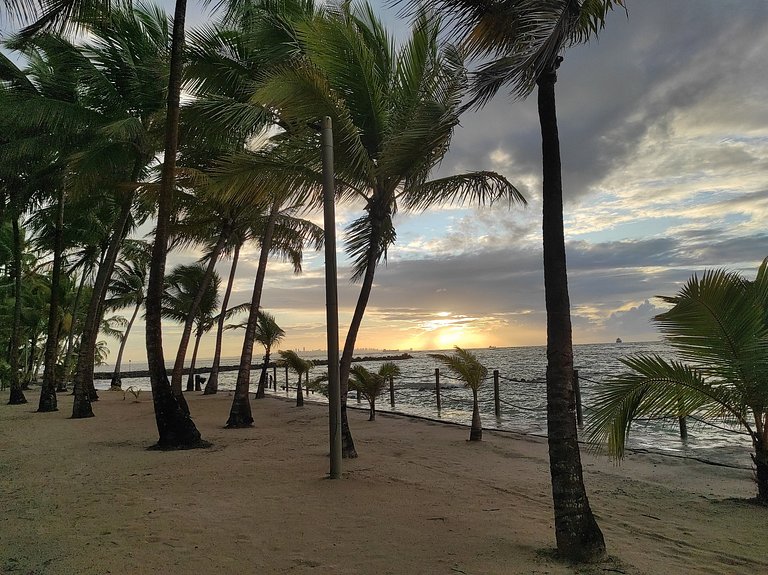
[96, 141]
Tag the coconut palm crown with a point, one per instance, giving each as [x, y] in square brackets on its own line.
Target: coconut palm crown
[718, 326]
[394, 110]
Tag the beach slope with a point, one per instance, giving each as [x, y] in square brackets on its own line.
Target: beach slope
[87, 497]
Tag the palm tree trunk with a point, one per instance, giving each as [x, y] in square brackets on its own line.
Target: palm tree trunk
[261, 390]
[191, 375]
[16, 394]
[240, 413]
[476, 431]
[213, 378]
[760, 458]
[347, 443]
[48, 390]
[299, 394]
[116, 381]
[576, 530]
[174, 425]
[83, 383]
[71, 338]
[372, 410]
[186, 334]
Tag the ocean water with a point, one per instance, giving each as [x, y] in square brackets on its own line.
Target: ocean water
[522, 396]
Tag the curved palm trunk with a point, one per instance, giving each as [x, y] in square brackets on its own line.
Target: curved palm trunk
[83, 383]
[476, 431]
[347, 443]
[16, 394]
[576, 530]
[191, 375]
[71, 338]
[48, 390]
[213, 378]
[116, 381]
[186, 334]
[240, 413]
[174, 425]
[372, 410]
[261, 390]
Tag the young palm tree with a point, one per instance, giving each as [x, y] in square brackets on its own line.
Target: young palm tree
[522, 44]
[718, 326]
[468, 368]
[393, 111]
[371, 385]
[268, 334]
[301, 367]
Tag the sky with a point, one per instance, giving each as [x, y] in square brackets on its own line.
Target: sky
[664, 138]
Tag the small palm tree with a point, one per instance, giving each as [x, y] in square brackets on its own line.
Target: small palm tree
[468, 368]
[301, 367]
[268, 334]
[719, 328]
[371, 385]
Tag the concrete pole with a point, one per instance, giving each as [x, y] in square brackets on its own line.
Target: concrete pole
[331, 298]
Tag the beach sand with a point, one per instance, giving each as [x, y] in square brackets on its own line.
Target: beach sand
[87, 497]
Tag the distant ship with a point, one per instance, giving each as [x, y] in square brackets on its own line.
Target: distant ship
[618, 340]
[491, 347]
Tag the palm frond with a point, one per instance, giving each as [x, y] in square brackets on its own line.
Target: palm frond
[656, 388]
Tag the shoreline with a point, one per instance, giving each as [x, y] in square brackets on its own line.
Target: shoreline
[254, 366]
[420, 499]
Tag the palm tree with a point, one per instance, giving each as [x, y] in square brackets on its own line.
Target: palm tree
[718, 326]
[468, 368]
[183, 299]
[371, 385]
[521, 43]
[280, 234]
[268, 334]
[127, 288]
[393, 110]
[301, 367]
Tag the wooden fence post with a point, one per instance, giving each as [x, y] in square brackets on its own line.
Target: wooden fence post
[437, 387]
[577, 396]
[496, 402]
[392, 391]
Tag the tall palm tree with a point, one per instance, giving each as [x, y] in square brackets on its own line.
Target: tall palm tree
[468, 368]
[393, 111]
[268, 334]
[127, 288]
[46, 87]
[718, 326]
[183, 299]
[284, 235]
[521, 43]
[372, 384]
[301, 367]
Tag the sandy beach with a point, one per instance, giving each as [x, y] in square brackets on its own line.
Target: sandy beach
[87, 497]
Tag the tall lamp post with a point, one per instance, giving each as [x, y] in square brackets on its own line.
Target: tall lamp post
[331, 298]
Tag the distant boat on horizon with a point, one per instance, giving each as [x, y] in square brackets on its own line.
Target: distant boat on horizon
[618, 340]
